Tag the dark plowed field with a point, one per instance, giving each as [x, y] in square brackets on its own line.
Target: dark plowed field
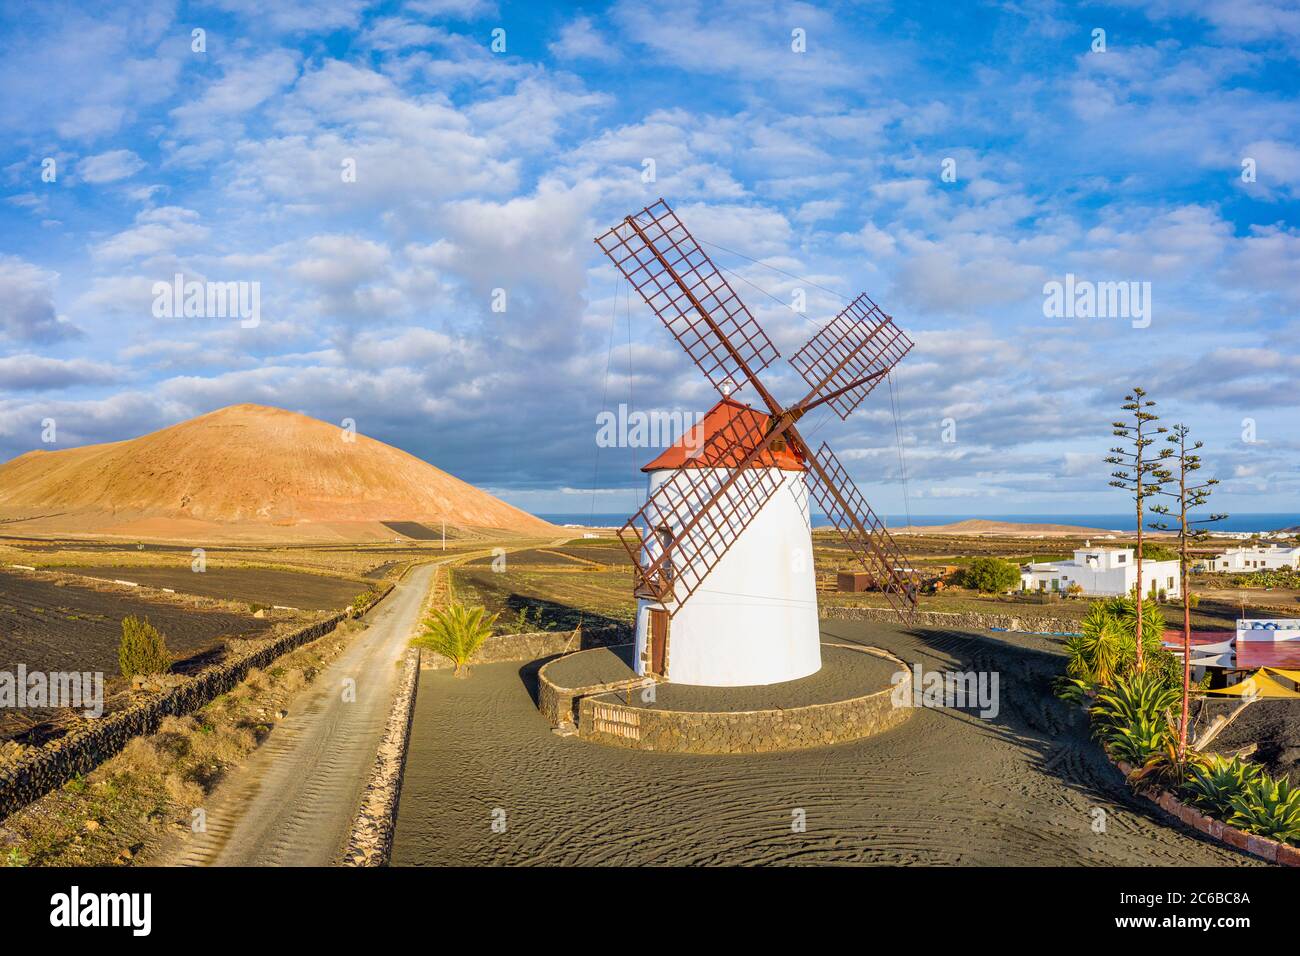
[49, 627]
[307, 592]
[533, 556]
[610, 555]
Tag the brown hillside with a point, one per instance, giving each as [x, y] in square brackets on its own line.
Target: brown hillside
[250, 470]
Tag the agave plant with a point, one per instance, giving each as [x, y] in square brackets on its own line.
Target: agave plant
[1214, 783]
[1137, 741]
[1268, 807]
[456, 633]
[1166, 767]
[1073, 690]
[1140, 695]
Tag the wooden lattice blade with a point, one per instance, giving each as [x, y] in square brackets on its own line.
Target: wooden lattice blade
[682, 286]
[693, 518]
[863, 532]
[859, 343]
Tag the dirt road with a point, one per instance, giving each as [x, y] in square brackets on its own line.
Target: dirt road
[292, 803]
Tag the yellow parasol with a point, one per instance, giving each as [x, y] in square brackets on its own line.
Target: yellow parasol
[1259, 684]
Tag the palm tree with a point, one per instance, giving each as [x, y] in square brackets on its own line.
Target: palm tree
[456, 632]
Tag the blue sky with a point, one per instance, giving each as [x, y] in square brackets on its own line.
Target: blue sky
[479, 170]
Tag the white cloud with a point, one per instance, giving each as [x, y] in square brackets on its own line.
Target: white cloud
[29, 372]
[156, 231]
[1277, 168]
[580, 40]
[110, 167]
[27, 312]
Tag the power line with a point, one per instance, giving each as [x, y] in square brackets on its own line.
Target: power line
[790, 275]
[604, 395]
[898, 436]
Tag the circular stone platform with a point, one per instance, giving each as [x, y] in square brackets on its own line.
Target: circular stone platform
[597, 694]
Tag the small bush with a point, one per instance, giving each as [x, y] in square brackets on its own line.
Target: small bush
[183, 791]
[1158, 552]
[143, 649]
[989, 575]
[364, 601]
[140, 758]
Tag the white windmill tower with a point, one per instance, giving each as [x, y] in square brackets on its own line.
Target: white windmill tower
[726, 593]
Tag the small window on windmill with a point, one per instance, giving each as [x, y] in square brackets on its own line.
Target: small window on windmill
[665, 536]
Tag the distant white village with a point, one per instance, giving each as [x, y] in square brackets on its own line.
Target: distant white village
[1107, 572]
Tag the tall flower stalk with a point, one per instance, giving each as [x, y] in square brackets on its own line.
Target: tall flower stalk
[1138, 474]
[1178, 460]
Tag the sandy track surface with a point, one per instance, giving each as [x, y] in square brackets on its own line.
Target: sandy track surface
[945, 788]
[293, 802]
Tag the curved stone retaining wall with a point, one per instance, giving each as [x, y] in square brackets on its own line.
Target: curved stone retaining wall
[89, 744]
[371, 842]
[758, 731]
[957, 621]
[556, 703]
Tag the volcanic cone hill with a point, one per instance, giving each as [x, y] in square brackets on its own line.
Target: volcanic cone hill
[247, 471]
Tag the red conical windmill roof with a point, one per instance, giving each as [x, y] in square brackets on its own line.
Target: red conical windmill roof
[728, 423]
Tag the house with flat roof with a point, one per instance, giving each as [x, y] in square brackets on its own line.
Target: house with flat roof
[1103, 572]
[1245, 560]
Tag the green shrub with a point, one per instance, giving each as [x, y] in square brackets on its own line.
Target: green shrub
[1095, 654]
[1213, 785]
[456, 633]
[526, 619]
[1268, 807]
[989, 575]
[1106, 650]
[1158, 552]
[364, 602]
[143, 649]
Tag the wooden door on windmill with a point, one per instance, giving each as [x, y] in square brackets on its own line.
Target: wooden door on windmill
[658, 640]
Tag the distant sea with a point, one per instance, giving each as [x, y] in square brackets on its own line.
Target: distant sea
[1260, 521]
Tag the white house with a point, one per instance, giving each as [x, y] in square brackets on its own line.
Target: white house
[1240, 560]
[753, 618]
[1103, 572]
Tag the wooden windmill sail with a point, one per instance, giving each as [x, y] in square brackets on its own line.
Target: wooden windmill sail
[692, 519]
